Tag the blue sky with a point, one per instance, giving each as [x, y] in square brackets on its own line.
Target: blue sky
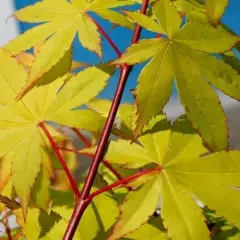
[122, 37]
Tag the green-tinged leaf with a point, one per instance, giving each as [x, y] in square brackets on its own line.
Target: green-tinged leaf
[37, 224]
[9, 203]
[155, 138]
[206, 38]
[31, 37]
[23, 172]
[202, 104]
[54, 49]
[144, 21]
[157, 74]
[223, 199]
[168, 16]
[88, 34]
[32, 227]
[153, 230]
[138, 207]
[142, 51]
[222, 166]
[44, 11]
[195, 11]
[216, 9]
[115, 18]
[125, 154]
[80, 89]
[231, 59]
[190, 145]
[221, 75]
[40, 193]
[101, 4]
[83, 119]
[181, 215]
[57, 231]
[227, 233]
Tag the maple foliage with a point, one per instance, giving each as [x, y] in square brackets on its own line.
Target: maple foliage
[156, 179]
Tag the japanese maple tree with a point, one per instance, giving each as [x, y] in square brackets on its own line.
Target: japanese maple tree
[156, 179]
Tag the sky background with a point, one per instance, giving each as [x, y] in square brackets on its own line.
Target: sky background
[122, 38]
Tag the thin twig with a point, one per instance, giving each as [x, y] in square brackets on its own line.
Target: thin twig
[61, 160]
[82, 137]
[121, 182]
[82, 204]
[110, 41]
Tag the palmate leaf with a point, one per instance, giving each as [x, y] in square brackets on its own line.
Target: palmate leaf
[22, 140]
[61, 21]
[183, 55]
[182, 174]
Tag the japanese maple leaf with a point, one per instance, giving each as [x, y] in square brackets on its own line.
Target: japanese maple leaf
[21, 138]
[180, 175]
[61, 21]
[186, 55]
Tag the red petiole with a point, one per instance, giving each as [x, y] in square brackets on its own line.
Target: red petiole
[61, 160]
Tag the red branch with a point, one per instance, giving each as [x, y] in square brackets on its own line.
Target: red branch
[82, 137]
[110, 41]
[82, 203]
[61, 160]
[121, 183]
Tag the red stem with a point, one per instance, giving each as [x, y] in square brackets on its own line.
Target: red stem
[82, 137]
[121, 182]
[61, 160]
[82, 203]
[88, 144]
[110, 41]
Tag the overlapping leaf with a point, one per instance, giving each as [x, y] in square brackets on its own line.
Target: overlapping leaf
[181, 56]
[61, 21]
[181, 174]
[216, 9]
[21, 139]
